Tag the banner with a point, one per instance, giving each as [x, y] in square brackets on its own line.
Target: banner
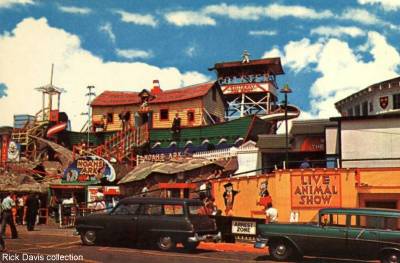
[315, 191]
[13, 152]
[89, 169]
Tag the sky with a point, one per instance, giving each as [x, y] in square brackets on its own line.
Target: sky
[329, 49]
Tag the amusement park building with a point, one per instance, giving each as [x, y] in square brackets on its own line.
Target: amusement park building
[354, 162]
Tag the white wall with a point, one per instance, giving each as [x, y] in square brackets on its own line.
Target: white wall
[373, 97]
[371, 139]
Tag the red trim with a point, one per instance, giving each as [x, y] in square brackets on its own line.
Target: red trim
[177, 186]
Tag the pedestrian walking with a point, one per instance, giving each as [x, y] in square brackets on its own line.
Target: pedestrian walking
[7, 217]
[20, 210]
[2, 243]
[32, 207]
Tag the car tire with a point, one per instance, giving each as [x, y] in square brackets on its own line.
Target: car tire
[280, 250]
[89, 237]
[390, 257]
[165, 243]
[190, 245]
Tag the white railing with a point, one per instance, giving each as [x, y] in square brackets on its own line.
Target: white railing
[224, 153]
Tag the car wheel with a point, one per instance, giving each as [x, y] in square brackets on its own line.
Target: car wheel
[190, 245]
[280, 250]
[165, 243]
[391, 257]
[89, 237]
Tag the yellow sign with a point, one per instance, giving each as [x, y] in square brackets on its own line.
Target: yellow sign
[315, 191]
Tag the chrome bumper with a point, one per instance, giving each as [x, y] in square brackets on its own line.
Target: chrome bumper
[261, 242]
[208, 237]
[75, 233]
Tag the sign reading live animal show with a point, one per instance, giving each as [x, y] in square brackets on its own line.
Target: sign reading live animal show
[315, 190]
[89, 169]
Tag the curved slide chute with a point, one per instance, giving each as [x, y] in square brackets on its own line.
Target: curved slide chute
[56, 129]
[279, 113]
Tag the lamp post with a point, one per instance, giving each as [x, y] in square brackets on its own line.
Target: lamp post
[286, 90]
[89, 113]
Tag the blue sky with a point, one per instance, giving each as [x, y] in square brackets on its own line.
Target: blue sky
[329, 49]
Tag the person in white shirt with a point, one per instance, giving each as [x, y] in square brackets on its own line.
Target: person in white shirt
[7, 217]
[271, 213]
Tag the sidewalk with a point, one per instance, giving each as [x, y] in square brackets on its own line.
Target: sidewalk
[233, 247]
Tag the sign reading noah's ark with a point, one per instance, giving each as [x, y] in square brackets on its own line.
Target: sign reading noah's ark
[90, 169]
[315, 190]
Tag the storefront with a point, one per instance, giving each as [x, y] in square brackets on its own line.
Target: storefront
[299, 193]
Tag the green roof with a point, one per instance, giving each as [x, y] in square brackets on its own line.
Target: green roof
[231, 131]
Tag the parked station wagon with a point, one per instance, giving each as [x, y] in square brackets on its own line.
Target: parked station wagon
[363, 233]
[161, 221]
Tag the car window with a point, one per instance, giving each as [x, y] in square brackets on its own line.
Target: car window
[333, 219]
[173, 210]
[125, 209]
[375, 222]
[150, 209]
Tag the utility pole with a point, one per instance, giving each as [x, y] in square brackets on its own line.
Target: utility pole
[286, 90]
[90, 93]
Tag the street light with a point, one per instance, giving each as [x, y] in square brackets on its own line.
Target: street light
[286, 90]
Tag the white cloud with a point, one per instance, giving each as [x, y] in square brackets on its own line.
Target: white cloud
[364, 17]
[338, 31]
[262, 33]
[342, 70]
[107, 29]
[205, 16]
[273, 53]
[187, 18]
[234, 12]
[10, 3]
[134, 53]
[300, 54]
[75, 10]
[138, 19]
[191, 51]
[388, 5]
[25, 64]
[277, 11]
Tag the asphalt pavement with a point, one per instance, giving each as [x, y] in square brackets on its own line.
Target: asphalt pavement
[52, 244]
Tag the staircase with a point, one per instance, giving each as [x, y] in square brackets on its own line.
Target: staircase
[123, 143]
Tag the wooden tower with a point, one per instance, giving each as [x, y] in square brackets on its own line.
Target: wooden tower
[249, 86]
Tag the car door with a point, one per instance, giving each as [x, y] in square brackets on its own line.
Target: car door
[329, 238]
[150, 221]
[123, 222]
[364, 235]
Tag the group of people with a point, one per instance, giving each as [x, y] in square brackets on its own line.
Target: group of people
[11, 202]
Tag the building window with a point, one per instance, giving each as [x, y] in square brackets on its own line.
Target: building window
[350, 112]
[164, 115]
[214, 94]
[110, 117]
[190, 116]
[365, 108]
[357, 110]
[371, 106]
[396, 101]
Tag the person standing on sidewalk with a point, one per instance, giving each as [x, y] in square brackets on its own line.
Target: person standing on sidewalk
[20, 210]
[32, 204]
[2, 243]
[7, 217]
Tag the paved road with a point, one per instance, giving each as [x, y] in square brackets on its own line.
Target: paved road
[48, 244]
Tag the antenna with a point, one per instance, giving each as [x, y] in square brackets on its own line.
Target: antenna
[89, 94]
[51, 76]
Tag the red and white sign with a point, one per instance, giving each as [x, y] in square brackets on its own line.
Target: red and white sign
[248, 88]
